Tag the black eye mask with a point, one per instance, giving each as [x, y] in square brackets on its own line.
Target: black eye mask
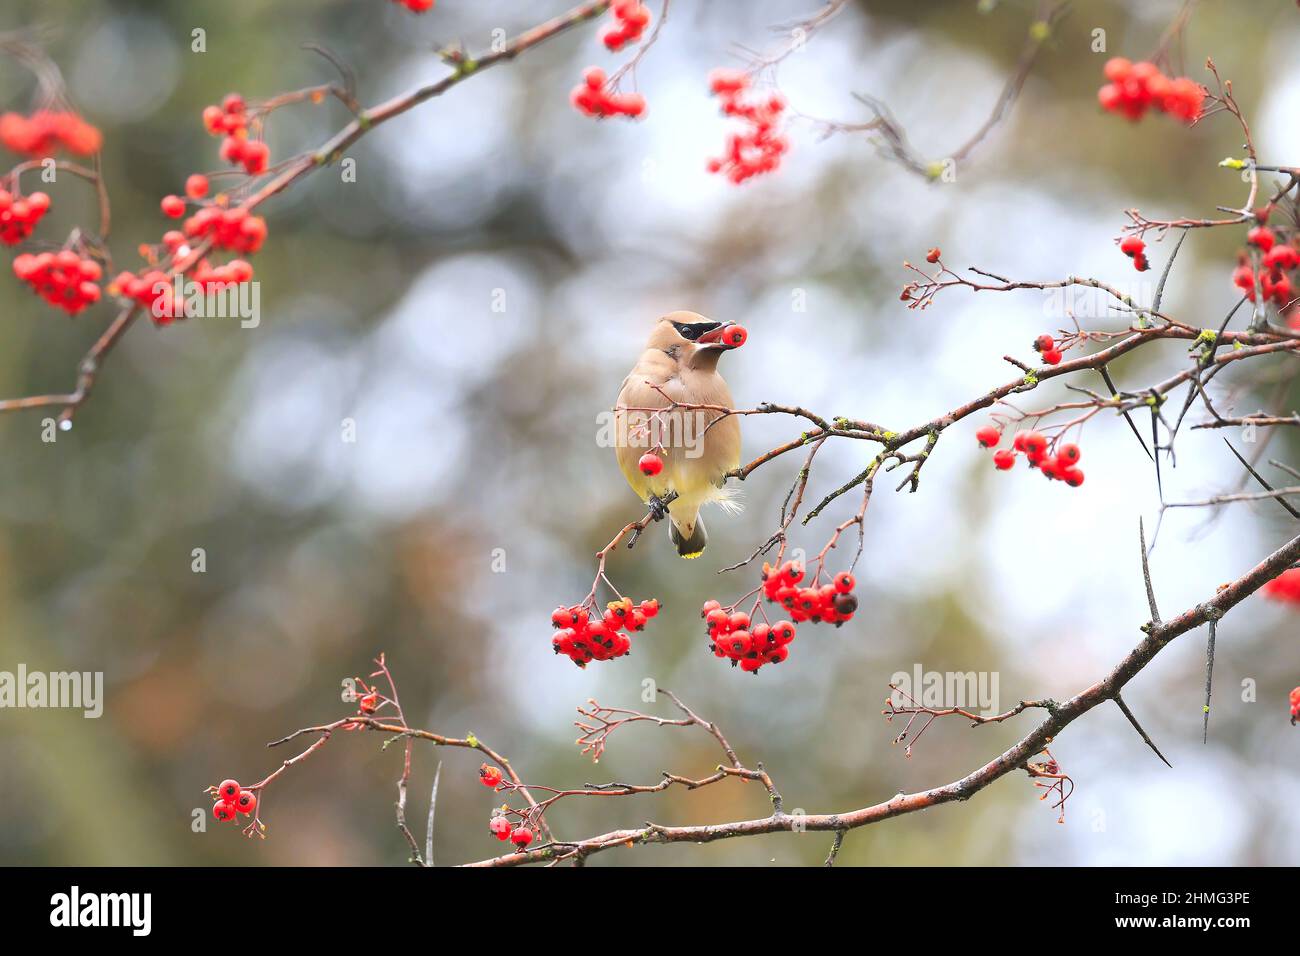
[693, 330]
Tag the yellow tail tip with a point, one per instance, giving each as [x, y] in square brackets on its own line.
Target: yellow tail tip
[690, 557]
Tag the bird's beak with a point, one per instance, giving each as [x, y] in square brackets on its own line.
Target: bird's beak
[713, 338]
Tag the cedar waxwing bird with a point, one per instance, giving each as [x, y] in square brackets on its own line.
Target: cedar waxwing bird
[679, 364]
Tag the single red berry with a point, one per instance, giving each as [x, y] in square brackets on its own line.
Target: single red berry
[1073, 477]
[223, 811]
[489, 776]
[1052, 356]
[650, 464]
[246, 802]
[1261, 237]
[521, 836]
[228, 790]
[650, 607]
[988, 436]
[1069, 454]
[1004, 458]
[844, 582]
[1117, 69]
[735, 336]
[933, 255]
[500, 827]
[173, 206]
[1140, 263]
[1132, 246]
[212, 119]
[1035, 444]
[1044, 343]
[196, 186]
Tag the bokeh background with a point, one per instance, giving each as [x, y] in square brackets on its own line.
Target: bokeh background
[476, 431]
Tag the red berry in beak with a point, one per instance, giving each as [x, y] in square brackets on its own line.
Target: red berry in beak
[735, 336]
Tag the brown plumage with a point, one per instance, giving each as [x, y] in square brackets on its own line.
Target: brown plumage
[681, 358]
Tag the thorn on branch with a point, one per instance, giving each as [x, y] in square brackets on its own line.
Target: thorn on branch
[1146, 576]
[1119, 701]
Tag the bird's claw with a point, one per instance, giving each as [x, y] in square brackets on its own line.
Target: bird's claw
[657, 508]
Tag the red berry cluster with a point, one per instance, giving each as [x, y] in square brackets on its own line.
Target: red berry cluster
[45, 131]
[632, 17]
[592, 99]
[1136, 87]
[733, 635]
[230, 120]
[19, 215]
[154, 290]
[62, 279]
[759, 148]
[1045, 346]
[228, 228]
[1135, 249]
[1063, 465]
[832, 603]
[232, 799]
[1285, 587]
[417, 6]
[520, 834]
[1277, 260]
[585, 638]
[233, 228]
[503, 830]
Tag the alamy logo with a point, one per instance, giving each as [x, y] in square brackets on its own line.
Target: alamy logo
[664, 428]
[75, 908]
[967, 690]
[76, 690]
[187, 299]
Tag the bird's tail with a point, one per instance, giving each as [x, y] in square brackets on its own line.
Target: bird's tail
[693, 546]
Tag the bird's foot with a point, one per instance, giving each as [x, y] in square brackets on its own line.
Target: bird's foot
[657, 508]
